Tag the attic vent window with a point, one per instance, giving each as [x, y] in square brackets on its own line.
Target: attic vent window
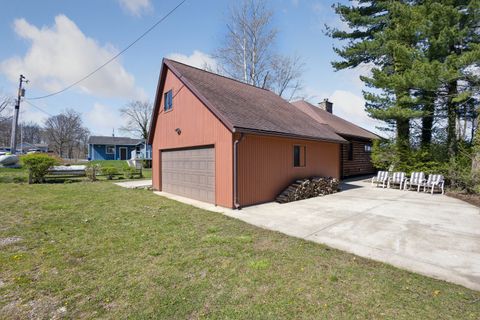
[167, 101]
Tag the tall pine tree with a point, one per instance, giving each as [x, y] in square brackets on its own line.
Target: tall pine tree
[423, 51]
[383, 33]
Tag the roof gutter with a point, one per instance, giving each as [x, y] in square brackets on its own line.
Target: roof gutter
[236, 203]
[288, 135]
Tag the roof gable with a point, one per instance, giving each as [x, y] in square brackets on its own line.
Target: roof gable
[242, 107]
[339, 125]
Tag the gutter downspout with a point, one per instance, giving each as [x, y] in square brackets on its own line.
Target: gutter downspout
[235, 172]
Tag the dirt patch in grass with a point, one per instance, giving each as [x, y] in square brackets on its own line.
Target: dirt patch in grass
[470, 198]
[9, 240]
[41, 308]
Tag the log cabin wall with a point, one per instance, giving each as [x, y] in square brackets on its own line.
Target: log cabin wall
[356, 159]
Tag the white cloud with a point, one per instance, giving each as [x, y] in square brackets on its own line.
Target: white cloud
[102, 120]
[62, 54]
[346, 105]
[351, 107]
[353, 75]
[197, 59]
[136, 7]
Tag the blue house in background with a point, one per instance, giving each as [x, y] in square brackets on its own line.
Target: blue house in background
[118, 148]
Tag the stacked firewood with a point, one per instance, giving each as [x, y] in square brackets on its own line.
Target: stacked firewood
[309, 188]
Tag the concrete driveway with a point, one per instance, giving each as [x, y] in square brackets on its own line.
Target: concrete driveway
[434, 235]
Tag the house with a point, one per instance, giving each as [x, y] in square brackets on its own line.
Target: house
[222, 141]
[117, 148]
[26, 147]
[355, 158]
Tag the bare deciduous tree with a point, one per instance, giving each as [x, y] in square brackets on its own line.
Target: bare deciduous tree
[6, 103]
[31, 132]
[286, 73]
[247, 53]
[137, 114]
[66, 134]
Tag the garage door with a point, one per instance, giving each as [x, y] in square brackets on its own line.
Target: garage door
[190, 173]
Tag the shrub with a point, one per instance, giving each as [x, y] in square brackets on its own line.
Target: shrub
[109, 172]
[38, 165]
[91, 171]
[459, 172]
[129, 172]
[387, 156]
[384, 154]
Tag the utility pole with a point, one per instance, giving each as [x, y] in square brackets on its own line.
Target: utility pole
[21, 93]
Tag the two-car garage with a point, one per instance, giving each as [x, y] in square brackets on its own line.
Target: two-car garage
[189, 172]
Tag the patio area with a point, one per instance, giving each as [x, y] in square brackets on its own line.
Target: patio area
[434, 235]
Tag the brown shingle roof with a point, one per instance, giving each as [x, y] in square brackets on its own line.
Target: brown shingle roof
[341, 126]
[114, 140]
[245, 108]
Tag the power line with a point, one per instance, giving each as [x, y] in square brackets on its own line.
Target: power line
[115, 56]
[38, 108]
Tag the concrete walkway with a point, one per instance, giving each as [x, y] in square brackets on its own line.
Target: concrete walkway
[135, 184]
[437, 236]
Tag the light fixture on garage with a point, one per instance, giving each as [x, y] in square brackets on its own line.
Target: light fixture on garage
[178, 131]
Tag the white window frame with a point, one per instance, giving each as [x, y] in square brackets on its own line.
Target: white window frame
[110, 145]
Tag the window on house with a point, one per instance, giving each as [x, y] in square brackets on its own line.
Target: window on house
[350, 151]
[167, 100]
[110, 150]
[299, 156]
[368, 148]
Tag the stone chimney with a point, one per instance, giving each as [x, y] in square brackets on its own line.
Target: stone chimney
[326, 105]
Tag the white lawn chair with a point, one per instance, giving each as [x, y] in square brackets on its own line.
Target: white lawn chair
[416, 179]
[397, 178]
[382, 177]
[434, 180]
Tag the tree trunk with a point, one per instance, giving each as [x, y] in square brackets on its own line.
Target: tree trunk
[403, 132]
[403, 137]
[476, 155]
[427, 121]
[452, 119]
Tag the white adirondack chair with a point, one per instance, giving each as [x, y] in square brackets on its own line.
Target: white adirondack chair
[434, 180]
[416, 179]
[397, 178]
[382, 177]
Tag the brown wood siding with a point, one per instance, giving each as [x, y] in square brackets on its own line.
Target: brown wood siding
[199, 127]
[266, 165]
[361, 163]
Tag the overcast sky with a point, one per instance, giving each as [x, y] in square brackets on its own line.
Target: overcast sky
[54, 43]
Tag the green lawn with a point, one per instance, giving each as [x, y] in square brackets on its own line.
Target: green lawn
[95, 250]
[10, 175]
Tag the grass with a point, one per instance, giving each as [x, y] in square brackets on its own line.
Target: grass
[13, 175]
[95, 250]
